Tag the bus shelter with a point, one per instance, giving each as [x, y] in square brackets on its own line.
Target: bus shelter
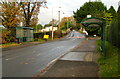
[24, 34]
[96, 22]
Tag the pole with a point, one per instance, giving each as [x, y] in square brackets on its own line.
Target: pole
[59, 20]
[52, 29]
[103, 40]
[52, 25]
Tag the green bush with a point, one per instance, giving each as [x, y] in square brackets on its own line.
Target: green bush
[109, 65]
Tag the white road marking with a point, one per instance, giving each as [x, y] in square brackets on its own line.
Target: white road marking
[11, 58]
[6, 59]
[39, 54]
[57, 48]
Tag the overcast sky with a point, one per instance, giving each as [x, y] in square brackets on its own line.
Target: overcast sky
[67, 8]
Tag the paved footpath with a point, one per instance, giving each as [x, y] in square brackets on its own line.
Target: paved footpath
[79, 62]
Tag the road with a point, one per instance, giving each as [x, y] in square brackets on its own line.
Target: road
[28, 61]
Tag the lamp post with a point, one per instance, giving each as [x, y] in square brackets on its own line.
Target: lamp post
[52, 25]
[59, 19]
[52, 29]
[53, 22]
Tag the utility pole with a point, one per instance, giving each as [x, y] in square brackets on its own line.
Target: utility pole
[59, 20]
[52, 29]
[52, 25]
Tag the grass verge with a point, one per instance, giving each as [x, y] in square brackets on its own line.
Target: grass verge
[108, 65]
[40, 40]
[8, 45]
[16, 44]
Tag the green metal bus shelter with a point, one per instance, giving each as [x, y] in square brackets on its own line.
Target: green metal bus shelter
[96, 22]
[24, 34]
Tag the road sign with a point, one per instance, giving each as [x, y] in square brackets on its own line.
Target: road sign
[46, 36]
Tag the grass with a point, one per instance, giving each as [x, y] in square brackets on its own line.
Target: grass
[15, 44]
[108, 65]
[43, 40]
[8, 45]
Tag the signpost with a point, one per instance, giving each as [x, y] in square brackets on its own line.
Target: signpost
[46, 36]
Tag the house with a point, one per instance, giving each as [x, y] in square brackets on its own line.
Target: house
[47, 29]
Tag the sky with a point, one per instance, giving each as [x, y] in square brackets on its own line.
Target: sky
[66, 8]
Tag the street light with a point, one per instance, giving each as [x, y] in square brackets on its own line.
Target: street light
[53, 22]
[59, 18]
[52, 25]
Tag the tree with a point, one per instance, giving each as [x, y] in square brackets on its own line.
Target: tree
[67, 25]
[98, 0]
[30, 12]
[108, 18]
[10, 13]
[118, 14]
[64, 20]
[47, 25]
[112, 11]
[54, 22]
[67, 22]
[95, 9]
[37, 27]
[90, 8]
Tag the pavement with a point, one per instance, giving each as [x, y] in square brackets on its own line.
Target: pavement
[79, 62]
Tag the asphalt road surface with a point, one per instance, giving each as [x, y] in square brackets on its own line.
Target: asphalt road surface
[28, 61]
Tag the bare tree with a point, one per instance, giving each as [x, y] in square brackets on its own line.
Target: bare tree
[30, 12]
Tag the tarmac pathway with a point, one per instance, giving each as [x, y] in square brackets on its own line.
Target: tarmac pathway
[79, 62]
